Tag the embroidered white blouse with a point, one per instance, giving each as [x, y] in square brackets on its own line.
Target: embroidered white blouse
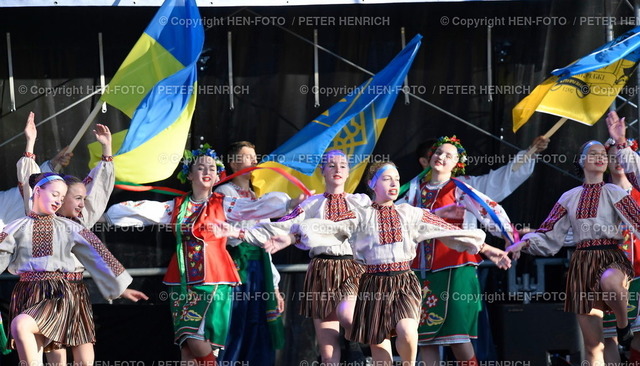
[630, 162]
[593, 212]
[321, 206]
[377, 234]
[46, 243]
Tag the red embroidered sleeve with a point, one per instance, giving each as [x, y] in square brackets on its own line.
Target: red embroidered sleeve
[429, 218]
[104, 253]
[295, 213]
[630, 210]
[557, 212]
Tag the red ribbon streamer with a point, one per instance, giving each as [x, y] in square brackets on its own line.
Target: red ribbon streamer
[278, 170]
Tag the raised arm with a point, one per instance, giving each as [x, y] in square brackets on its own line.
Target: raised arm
[500, 183]
[27, 163]
[627, 158]
[100, 180]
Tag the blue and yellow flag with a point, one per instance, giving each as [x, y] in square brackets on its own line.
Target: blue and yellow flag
[585, 89]
[156, 86]
[352, 125]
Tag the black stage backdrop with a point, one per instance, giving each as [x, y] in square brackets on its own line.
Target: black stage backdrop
[55, 51]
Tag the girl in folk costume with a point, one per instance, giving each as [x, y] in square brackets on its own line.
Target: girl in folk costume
[39, 249]
[256, 328]
[332, 278]
[599, 270]
[383, 237]
[201, 276]
[627, 161]
[443, 271]
[631, 247]
[95, 194]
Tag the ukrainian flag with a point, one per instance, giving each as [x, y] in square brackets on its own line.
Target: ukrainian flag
[156, 86]
[585, 89]
[352, 125]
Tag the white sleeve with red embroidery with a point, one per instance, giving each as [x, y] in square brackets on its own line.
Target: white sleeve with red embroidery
[107, 272]
[423, 225]
[263, 231]
[549, 238]
[271, 205]
[140, 213]
[99, 185]
[630, 162]
[25, 167]
[482, 215]
[626, 207]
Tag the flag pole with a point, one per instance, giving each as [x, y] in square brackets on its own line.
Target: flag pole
[82, 129]
[531, 150]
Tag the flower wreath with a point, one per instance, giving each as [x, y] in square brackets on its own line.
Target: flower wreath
[632, 143]
[462, 153]
[190, 157]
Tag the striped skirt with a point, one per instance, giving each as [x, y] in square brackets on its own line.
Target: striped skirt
[383, 300]
[329, 281]
[583, 278]
[60, 309]
[82, 328]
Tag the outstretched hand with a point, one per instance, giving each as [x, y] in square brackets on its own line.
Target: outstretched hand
[134, 295]
[497, 256]
[515, 249]
[617, 127]
[277, 243]
[30, 131]
[103, 134]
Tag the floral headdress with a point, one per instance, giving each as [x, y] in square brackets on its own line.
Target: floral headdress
[462, 153]
[190, 157]
[632, 143]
